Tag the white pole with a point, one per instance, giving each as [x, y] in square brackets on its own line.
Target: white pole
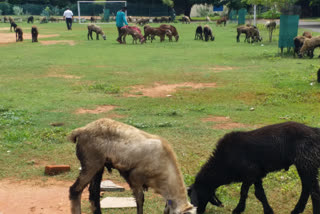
[255, 15]
[79, 11]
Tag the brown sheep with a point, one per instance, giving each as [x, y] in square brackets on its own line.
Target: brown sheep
[173, 31]
[185, 19]
[43, 20]
[19, 34]
[144, 160]
[309, 45]
[10, 19]
[97, 30]
[222, 20]
[34, 33]
[250, 32]
[307, 34]
[143, 21]
[156, 31]
[134, 32]
[92, 19]
[52, 19]
[271, 26]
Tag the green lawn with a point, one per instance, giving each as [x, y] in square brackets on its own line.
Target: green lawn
[44, 84]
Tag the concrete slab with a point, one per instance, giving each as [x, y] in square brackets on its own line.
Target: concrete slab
[109, 186]
[118, 202]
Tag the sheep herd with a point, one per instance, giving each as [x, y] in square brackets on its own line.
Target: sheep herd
[148, 161]
[18, 30]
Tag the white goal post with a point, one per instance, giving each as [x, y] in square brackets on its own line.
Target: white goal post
[117, 6]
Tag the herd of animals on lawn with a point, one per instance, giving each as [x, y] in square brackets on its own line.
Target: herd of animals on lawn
[303, 45]
[146, 160]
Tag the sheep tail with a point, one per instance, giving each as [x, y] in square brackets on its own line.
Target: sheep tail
[74, 135]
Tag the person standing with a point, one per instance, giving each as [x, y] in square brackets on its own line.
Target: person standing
[68, 16]
[121, 21]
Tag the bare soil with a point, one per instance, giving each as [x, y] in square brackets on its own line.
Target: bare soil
[98, 110]
[223, 122]
[160, 90]
[6, 38]
[54, 42]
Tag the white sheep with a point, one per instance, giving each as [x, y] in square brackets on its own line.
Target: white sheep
[144, 160]
[97, 30]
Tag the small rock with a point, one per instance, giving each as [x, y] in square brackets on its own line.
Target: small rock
[252, 109]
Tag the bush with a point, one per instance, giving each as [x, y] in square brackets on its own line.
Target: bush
[17, 10]
[6, 8]
[46, 12]
[270, 14]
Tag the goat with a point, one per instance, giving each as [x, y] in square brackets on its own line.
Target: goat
[207, 33]
[97, 30]
[144, 160]
[13, 25]
[154, 31]
[30, 19]
[19, 34]
[198, 34]
[222, 20]
[34, 33]
[173, 31]
[248, 157]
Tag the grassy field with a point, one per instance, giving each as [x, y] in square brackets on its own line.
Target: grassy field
[254, 86]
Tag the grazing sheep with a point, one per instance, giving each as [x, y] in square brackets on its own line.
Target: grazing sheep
[248, 157]
[19, 34]
[34, 33]
[43, 20]
[207, 33]
[250, 32]
[271, 26]
[11, 19]
[186, 20]
[309, 45]
[144, 160]
[298, 43]
[143, 21]
[164, 19]
[13, 25]
[222, 20]
[52, 19]
[92, 19]
[173, 31]
[30, 19]
[198, 34]
[156, 31]
[5, 19]
[97, 30]
[134, 31]
[307, 34]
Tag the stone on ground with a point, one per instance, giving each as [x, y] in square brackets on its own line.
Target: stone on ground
[118, 202]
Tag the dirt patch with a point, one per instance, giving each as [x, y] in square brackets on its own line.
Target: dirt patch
[216, 119]
[38, 197]
[223, 122]
[113, 116]
[159, 90]
[65, 76]
[54, 42]
[219, 68]
[11, 37]
[35, 197]
[98, 110]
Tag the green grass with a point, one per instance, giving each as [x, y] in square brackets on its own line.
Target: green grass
[35, 93]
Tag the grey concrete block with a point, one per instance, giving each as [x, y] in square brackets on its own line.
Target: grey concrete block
[118, 202]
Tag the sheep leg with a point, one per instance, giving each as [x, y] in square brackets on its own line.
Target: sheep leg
[97, 38]
[76, 189]
[139, 196]
[94, 190]
[238, 39]
[315, 196]
[306, 190]
[261, 196]
[243, 197]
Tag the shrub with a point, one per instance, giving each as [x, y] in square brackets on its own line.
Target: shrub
[6, 8]
[17, 10]
[270, 14]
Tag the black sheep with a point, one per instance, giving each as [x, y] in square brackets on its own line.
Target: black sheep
[13, 25]
[34, 33]
[198, 34]
[248, 157]
[30, 19]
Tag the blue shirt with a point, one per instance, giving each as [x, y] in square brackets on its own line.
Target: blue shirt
[121, 19]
